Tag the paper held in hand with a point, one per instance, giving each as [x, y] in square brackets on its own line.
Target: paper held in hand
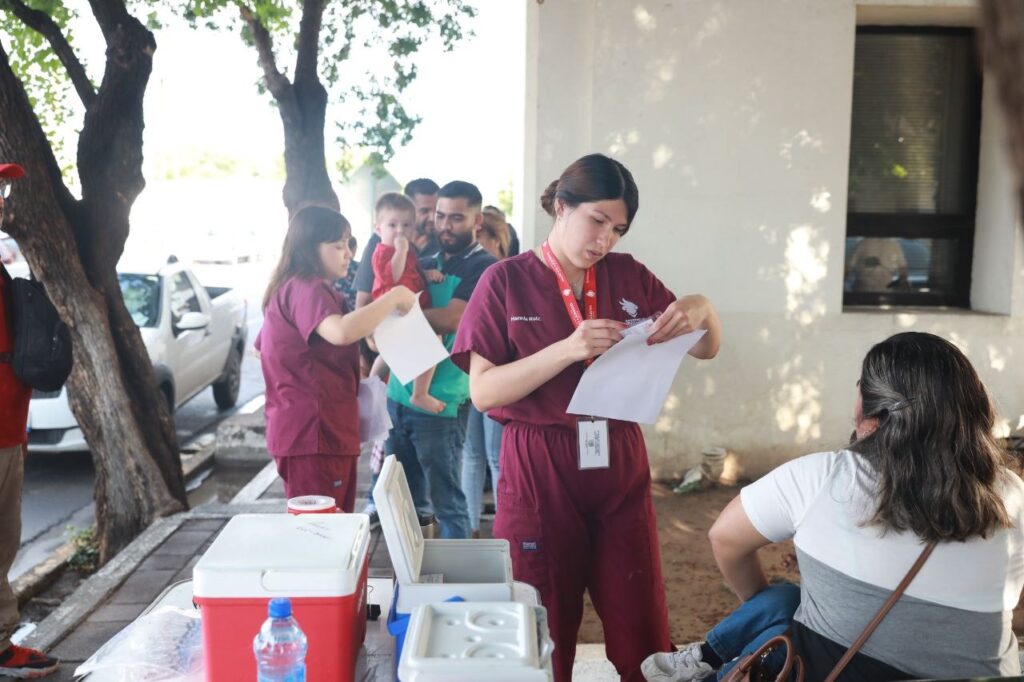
[631, 380]
[408, 344]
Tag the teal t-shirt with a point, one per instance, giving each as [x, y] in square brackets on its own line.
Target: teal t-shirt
[450, 384]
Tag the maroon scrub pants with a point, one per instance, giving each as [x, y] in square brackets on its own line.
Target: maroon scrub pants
[330, 475]
[593, 530]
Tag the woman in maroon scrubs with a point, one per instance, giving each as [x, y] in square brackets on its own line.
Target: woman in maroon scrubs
[576, 521]
[309, 349]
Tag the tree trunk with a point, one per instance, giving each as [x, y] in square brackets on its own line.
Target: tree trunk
[73, 247]
[305, 162]
[1003, 41]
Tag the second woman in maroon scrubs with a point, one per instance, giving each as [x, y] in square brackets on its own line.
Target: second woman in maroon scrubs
[532, 325]
[309, 351]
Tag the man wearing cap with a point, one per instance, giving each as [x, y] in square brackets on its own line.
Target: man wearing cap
[15, 661]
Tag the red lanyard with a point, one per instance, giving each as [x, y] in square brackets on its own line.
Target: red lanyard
[568, 297]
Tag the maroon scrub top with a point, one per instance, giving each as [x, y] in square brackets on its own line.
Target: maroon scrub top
[517, 310]
[312, 385]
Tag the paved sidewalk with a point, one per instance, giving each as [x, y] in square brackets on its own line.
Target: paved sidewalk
[165, 554]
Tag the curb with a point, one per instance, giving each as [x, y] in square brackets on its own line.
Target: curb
[46, 573]
[257, 485]
[91, 593]
[95, 589]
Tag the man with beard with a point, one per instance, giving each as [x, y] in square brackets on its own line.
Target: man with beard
[423, 192]
[429, 446]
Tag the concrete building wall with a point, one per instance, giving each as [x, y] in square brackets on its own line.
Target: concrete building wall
[735, 119]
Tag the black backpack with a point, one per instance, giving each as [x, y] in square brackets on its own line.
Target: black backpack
[41, 356]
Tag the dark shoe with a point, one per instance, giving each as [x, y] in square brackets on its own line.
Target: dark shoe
[426, 519]
[26, 664]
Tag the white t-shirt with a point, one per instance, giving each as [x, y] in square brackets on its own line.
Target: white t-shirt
[822, 502]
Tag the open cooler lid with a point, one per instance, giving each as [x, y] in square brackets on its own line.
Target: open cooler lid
[268, 555]
[399, 521]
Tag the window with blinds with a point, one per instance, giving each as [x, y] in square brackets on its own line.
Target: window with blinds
[913, 167]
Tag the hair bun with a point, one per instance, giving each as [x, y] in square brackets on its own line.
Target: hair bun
[547, 198]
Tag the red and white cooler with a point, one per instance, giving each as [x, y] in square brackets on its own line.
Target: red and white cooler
[319, 561]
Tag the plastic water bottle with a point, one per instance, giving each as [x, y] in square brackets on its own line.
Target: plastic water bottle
[280, 646]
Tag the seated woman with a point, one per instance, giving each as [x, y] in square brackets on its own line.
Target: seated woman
[923, 467]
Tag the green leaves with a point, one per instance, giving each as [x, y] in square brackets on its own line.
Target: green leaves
[366, 55]
[375, 28]
[46, 81]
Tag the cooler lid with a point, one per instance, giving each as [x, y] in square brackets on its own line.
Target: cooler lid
[399, 521]
[458, 638]
[267, 555]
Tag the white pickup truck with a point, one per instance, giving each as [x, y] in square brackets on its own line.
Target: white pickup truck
[195, 337]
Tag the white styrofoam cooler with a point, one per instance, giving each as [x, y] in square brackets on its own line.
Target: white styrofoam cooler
[475, 570]
[472, 641]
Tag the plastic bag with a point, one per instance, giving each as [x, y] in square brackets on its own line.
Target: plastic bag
[374, 421]
[164, 645]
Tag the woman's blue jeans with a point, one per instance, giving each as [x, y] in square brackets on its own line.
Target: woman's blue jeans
[765, 615]
[482, 449]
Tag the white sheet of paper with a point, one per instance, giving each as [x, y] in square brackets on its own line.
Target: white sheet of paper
[632, 380]
[374, 420]
[408, 344]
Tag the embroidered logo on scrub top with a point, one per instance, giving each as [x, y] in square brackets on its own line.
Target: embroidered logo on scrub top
[530, 545]
[524, 318]
[629, 307]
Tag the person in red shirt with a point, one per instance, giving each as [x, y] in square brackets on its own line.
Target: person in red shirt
[309, 352]
[394, 262]
[15, 661]
[577, 518]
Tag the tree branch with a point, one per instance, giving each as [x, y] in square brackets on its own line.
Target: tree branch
[28, 148]
[1003, 42]
[44, 25]
[277, 82]
[309, 40]
[109, 14]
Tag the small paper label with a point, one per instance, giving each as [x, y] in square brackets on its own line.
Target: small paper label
[593, 443]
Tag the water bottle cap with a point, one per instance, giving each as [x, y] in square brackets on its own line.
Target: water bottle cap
[280, 608]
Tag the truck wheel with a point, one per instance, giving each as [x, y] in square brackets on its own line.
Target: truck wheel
[168, 393]
[225, 391]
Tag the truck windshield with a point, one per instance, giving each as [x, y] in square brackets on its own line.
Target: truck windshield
[141, 297]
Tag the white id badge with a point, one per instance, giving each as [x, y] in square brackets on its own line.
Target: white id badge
[592, 435]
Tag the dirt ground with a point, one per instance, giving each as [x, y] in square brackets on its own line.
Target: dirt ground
[697, 597]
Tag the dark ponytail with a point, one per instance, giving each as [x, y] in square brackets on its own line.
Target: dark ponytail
[594, 177]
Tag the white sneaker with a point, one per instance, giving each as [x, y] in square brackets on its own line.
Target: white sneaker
[677, 666]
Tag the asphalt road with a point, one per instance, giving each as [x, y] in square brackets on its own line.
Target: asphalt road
[58, 489]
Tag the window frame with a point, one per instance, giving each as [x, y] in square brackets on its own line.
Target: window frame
[959, 227]
[175, 317]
